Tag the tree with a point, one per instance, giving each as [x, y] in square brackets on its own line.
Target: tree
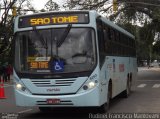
[51, 6]
[6, 25]
[156, 46]
[86, 4]
[146, 13]
[24, 6]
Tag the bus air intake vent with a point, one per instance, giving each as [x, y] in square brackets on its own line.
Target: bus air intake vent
[53, 82]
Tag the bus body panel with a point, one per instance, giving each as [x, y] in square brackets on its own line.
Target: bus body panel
[114, 68]
[117, 69]
[56, 86]
[90, 98]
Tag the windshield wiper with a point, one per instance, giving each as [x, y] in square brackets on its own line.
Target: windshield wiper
[44, 43]
[64, 35]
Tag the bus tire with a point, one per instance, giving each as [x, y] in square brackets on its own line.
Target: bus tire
[105, 107]
[127, 92]
[45, 109]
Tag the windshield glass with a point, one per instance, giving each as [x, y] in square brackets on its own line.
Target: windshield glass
[37, 53]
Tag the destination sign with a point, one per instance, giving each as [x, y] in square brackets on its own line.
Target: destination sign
[39, 65]
[53, 19]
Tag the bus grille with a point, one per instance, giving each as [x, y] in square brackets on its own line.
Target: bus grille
[62, 102]
[53, 82]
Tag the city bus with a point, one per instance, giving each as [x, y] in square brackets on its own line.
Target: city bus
[71, 59]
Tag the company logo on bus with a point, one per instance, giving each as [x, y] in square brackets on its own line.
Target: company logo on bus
[53, 89]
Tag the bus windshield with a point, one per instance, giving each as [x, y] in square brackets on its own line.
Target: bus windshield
[75, 54]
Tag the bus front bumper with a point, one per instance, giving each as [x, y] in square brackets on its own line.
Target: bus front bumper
[88, 99]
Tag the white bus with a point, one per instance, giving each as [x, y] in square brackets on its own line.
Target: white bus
[71, 59]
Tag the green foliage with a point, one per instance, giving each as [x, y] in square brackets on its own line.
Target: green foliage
[149, 18]
[98, 5]
[145, 13]
[51, 6]
[6, 26]
[156, 48]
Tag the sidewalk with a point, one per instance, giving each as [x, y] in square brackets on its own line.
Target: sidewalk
[11, 80]
[150, 68]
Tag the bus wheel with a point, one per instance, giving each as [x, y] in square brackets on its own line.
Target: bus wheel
[45, 109]
[127, 92]
[105, 107]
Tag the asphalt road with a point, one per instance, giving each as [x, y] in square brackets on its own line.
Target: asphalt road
[144, 98]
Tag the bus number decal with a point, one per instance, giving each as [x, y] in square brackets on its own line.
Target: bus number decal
[93, 77]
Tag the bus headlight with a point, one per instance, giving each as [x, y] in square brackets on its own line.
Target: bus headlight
[90, 85]
[20, 87]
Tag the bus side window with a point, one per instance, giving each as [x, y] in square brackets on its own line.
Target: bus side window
[106, 39]
[112, 35]
[101, 41]
[117, 36]
[108, 43]
[109, 34]
[100, 37]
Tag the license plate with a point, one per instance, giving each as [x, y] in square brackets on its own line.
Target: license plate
[53, 101]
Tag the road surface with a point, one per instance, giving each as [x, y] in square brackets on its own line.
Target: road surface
[144, 98]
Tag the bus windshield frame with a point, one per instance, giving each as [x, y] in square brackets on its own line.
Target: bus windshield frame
[80, 42]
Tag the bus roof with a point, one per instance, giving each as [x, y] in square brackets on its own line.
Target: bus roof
[118, 28]
[91, 12]
[49, 12]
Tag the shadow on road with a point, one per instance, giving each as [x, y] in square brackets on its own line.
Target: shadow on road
[62, 113]
[70, 113]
